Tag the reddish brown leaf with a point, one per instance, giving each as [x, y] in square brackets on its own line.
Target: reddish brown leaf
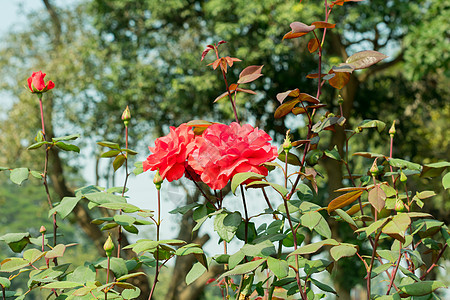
[299, 142]
[232, 87]
[291, 35]
[339, 80]
[317, 106]
[221, 42]
[284, 95]
[313, 45]
[299, 27]
[207, 49]
[321, 24]
[355, 208]
[343, 200]
[314, 75]
[365, 59]
[250, 73]
[308, 98]
[377, 198]
[343, 68]
[230, 60]
[298, 110]
[246, 91]
[223, 95]
[350, 189]
[285, 108]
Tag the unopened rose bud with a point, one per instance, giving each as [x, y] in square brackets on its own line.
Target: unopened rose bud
[340, 100]
[42, 229]
[374, 169]
[287, 145]
[108, 246]
[403, 177]
[392, 129]
[158, 180]
[126, 116]
[399, 206]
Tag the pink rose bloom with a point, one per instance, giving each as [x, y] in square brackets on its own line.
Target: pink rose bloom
[36, 83]
[170, 153]
[224, 151]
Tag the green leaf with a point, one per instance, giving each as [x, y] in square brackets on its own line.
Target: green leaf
[65, 207]
[292, 159]
[397, 227]
[239, 178]
[226, 225]
[131, 229]
[82, 274]
[16, 241]
[312, 248]
[279, 267]
[13, 264]
[446, 181]
[144, 245]
[434, 169]
[346, 217]
[118, 161]
[124, 220]
[19, 175]
[67, 147]
[333, 154]
[323, 228]
[262, 249]
[189, 249]
[36, 145]
[98, 198]
[244, 268]
[139, 168]
[5, 283]
[70, 137]
[404, 164]
[370, 124]
[57, 251]
[310, 219]
[343, 250]
[129, 151]
[33, 255]
[421, 288]
[110, 153]
[184, 209]
[109, 145]
[117, 266]
[279, 188]
[196, 271]
[125, 207]
[131, 294]
[62, 285]
[323, 286]
[125, 277]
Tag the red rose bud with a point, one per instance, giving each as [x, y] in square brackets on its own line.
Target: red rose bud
[158, 180]
[108, 246]
[126, 116]
[36, 83]
[392, 129]
[42, 229]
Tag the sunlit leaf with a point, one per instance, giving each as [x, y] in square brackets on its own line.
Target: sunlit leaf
[339, 80]
[365, 59]
[421, 288]
[397, 227]
[284, 95]
[321, 24]
[249, 74]
[343, 250]
[313, 45]
[343, 200]
[285, 108]
[298, 27]
[377, 198]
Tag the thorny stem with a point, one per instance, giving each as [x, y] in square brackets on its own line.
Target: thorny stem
[119, 239]
[107, 277]
[394, 272]
[268, 203]
[200, 189]
[434, 263]
[158, 223]
[233, 104]
[44, 175]
[372, 260]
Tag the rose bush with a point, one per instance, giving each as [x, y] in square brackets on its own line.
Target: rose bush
[225, 150]
[36, 83]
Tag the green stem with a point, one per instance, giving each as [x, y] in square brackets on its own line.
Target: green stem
[158, 223]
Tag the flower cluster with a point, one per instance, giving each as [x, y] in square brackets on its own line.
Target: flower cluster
[214, 157]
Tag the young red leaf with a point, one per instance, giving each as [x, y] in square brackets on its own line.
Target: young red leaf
[207, 49]
[308, 98]
[246, 91]
[221, 42]
[285, 108]
[315, 75]
[298, 110]
[321, 24]
[250, 73]
[377, 198]
[339, 79]
[365, 59]
[299, 27]
[291, 35]
[284, 95]
[313, 45]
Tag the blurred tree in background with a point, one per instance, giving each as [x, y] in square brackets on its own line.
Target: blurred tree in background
[104, 55]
